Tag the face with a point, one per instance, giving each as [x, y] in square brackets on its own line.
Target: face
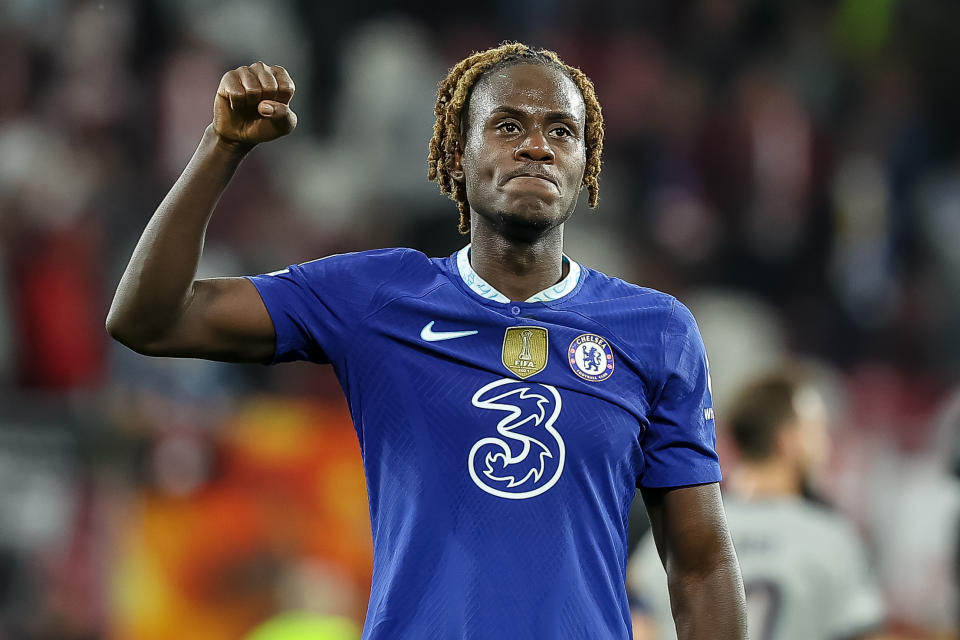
[813, 423]
[808, 438]
[524, 152]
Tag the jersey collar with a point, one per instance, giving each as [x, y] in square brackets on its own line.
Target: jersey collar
[480, 286]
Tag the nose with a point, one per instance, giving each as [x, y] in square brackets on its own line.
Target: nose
[534, 146]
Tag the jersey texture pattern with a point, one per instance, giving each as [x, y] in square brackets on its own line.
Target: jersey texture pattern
[502, 441]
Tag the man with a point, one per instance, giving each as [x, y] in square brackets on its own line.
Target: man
[507, 399]
[804, 568]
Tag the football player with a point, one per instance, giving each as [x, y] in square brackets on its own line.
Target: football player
[507, 399]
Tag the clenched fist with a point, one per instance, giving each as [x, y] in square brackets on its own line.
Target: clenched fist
[252, 104]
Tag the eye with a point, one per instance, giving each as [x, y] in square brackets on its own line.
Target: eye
[561, 132]
[508, 127]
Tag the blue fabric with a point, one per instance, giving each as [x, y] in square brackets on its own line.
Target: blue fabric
[498, 505]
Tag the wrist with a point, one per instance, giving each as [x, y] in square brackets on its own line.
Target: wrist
[231, 148]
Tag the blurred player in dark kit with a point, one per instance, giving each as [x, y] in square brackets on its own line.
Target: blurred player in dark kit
[508, 400]
[804, 566]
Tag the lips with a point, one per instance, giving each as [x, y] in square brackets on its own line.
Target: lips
[531, 173]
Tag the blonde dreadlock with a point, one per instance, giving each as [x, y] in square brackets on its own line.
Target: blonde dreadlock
[453, 93]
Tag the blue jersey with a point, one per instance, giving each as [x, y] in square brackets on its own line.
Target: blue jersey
[502, 441]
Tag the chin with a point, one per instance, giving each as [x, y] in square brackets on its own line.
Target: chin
[536, 214]
[524, 219]
[524, 223]
[533, 210]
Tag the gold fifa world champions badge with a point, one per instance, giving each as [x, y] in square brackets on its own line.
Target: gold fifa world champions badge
[525, 350]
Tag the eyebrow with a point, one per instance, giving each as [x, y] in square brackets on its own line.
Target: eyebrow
[550, 115]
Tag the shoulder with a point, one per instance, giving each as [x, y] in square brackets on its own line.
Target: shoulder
[820, 525]
[833, 527]
[370, 268]
[601, 289]
[367, 278]
[374, 260]
[627, 307]
[640, 314]
[834, 548]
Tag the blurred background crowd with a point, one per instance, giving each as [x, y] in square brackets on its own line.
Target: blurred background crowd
[790, 169]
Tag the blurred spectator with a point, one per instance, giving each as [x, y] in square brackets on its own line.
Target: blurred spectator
[805, 571]
[791, 170]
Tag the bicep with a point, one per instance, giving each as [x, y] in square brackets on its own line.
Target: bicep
[689, 527]
[706, 592]
[224, 319]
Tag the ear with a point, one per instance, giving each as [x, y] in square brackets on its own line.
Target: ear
[456, 171]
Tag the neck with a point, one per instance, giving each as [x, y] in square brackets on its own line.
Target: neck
[767, 479]
[518, 269]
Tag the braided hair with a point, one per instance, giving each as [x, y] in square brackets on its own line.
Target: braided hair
[454, 92]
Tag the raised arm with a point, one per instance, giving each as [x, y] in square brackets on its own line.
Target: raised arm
[706, 591]
[159, 308]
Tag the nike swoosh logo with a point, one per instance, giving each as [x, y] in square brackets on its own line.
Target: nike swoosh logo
[428, 334]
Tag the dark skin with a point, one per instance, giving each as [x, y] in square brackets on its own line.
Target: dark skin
[703, 575]
[160, 308]
[522, 164]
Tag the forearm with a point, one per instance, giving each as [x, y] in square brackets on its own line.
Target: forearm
[158, 281]
[710, 605]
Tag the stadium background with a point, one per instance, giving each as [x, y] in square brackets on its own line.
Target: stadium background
[789, 169]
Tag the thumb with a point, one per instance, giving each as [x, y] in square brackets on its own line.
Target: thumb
[272, 109]
[278, 112]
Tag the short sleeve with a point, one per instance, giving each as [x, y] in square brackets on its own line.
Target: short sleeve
[679, 443]
[316, 306]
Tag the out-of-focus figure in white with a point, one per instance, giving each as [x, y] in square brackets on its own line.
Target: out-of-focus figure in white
[805, 569]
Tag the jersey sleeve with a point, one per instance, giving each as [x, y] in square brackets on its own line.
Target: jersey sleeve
[679, 443]
[317, 307]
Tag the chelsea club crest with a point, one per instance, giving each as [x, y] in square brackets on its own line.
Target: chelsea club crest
[591, 357]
